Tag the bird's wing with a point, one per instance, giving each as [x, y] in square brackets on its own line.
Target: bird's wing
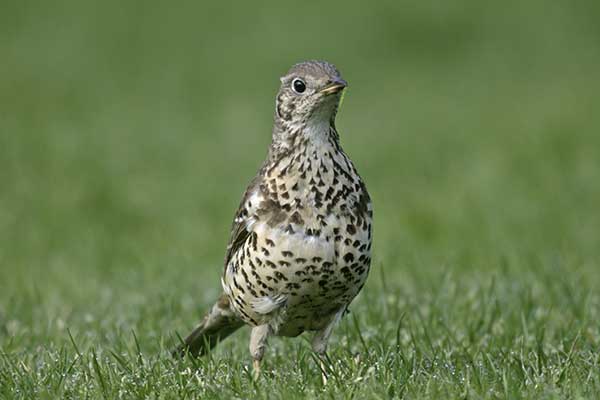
[241, 227]
[239, 234]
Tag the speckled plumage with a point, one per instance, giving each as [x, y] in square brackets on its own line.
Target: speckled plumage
[300, 247]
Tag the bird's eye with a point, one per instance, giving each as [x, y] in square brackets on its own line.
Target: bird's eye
[298, 85]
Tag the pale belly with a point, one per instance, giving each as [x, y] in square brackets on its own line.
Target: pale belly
[296, 281]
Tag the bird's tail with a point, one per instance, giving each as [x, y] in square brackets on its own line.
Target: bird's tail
[219, 323]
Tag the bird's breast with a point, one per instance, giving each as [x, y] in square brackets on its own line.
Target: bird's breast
[308, 253]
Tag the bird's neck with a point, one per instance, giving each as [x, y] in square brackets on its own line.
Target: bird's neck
[292, 136]
[312, 159]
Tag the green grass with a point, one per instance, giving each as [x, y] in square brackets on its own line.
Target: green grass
[129, 131]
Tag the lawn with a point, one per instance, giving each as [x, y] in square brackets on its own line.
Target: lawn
[129, 131]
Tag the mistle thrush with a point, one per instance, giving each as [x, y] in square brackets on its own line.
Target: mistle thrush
[300, 246]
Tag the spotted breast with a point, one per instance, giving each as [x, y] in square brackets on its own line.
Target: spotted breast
[304, 246]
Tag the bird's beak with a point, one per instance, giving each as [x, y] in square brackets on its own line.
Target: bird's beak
[334, 86]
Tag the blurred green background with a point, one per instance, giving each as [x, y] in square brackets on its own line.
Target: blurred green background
[128, 131]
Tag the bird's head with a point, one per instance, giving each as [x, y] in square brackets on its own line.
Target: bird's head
[309, 95]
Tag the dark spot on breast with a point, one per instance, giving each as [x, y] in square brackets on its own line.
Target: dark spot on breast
[286, 253]
[329, 193]
[349, 257]
[296, 218]
[281, 276]
[351, 229]
[269, 242]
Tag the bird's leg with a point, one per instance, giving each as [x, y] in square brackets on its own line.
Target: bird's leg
[321, 338]
[258, 343]
[323, 373]
[256, 369]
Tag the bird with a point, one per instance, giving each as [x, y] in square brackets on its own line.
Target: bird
[300, 244]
